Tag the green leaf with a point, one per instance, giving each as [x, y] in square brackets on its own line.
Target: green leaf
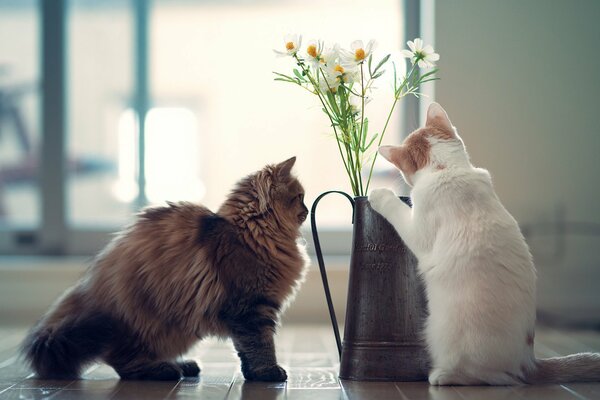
[378, 74]
[364, 130]
[429, 80]
[383, 61]
[332, 102]
[365, 148]
[299, 75]
[433, 71]
[284, 76]
[369, 63]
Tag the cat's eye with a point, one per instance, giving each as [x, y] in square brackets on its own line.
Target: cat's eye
[299, 198]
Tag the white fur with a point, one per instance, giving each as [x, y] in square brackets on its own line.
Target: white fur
[478, 271]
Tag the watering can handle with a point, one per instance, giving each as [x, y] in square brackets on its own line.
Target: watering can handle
[313, 225]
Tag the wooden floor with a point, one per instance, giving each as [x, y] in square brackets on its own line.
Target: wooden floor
[307, 352]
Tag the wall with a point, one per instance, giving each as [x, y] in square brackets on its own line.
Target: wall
[29, 285]
[520, 81]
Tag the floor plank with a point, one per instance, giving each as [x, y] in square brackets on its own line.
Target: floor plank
[575, 342]
[488, 393]
[256, 390]
[552, 392]
[370, 390]
[422, 390]
[309, 355]
[28, 393]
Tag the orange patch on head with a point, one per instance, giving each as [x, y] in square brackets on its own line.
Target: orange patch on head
[411, 156]
[442, 133]
[416, 153]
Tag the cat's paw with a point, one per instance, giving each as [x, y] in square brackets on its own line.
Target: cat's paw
[189, 368]
[273, 373]
[380, 199]
[439, 377]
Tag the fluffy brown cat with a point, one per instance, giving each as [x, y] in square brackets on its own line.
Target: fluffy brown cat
[178, 274]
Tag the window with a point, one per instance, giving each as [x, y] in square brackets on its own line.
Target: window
[216, 58]
[172, 156]
[19, 115]
[100, 59]
[201, 75]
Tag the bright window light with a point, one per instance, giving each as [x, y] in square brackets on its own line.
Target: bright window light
[171, 156]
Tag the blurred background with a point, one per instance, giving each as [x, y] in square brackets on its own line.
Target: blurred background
[519, 79]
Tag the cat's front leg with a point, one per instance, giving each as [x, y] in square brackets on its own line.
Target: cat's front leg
[397, 213]
[257, 354]
[252, 336]
[386, 203]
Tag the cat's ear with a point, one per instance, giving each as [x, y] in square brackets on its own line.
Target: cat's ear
[394, 154]
[389, 152]
[408, 158]
[285, 168]
[437, 117]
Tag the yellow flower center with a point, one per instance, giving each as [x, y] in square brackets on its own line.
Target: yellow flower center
[290, 46]
[339, 69]
[312, 50]
[359, 54]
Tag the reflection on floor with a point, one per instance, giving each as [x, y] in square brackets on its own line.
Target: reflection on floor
[309, 355]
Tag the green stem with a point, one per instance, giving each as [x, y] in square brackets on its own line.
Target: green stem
[317, 91]
[397, 97]
[362, 121]
[349, 163]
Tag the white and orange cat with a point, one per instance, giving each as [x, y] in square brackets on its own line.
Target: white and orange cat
[478, 271]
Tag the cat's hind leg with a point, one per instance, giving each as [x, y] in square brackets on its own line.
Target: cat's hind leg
[132, 359]
[442, 377]
[153, 371]
[61, 350]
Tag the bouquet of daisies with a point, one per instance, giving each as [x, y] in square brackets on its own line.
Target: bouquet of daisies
[342, 80]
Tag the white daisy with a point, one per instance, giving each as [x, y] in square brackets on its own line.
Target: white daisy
[356, 103]
[329, 79]
[330, 54]
[342, 74]
[313, 54]
[319, 57]
[359, 52]
[292, 45]
[423, 55]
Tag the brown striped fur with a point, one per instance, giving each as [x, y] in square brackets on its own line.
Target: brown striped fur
[178, 274]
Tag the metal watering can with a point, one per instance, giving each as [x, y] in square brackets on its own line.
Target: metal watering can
[386, 304]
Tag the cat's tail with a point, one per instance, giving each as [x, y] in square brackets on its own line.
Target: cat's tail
[67, 339]
[581, 367]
